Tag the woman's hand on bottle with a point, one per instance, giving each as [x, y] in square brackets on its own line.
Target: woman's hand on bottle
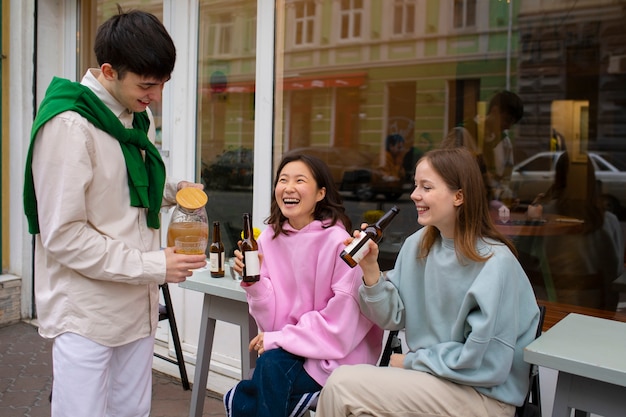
[369, 263]
[180, 266]
[239, 264]
[370, 260]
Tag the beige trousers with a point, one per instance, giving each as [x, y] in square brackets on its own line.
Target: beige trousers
[367, 390]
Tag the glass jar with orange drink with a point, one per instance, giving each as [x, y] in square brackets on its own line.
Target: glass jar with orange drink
[189, 218]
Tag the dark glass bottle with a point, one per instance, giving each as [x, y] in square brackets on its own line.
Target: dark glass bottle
[250, 250]
[358, 248]
[216, 253]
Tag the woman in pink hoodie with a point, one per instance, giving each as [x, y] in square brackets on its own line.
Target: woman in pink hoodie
[306, 302]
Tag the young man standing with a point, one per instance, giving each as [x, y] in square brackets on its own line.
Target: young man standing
[93, 190]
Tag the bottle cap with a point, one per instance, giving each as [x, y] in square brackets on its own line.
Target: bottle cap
[191, 198]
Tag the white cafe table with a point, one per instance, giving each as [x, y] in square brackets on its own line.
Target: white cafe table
[224, 300]
[589, 354]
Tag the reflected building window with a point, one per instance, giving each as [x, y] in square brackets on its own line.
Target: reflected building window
[250, 35]
[464, 14]
[351, 13]
[304, 23]
[222, 34]
[404, 17]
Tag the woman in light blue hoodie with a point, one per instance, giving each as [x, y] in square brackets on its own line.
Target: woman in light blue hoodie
[465, 303]
[306, 301]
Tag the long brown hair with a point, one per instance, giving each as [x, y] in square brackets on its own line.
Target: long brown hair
[329, 208]
[459, 170]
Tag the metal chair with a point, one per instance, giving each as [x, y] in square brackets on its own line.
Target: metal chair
[532, 404]
[166, 312]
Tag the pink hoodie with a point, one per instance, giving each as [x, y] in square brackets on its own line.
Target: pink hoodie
[307, 300]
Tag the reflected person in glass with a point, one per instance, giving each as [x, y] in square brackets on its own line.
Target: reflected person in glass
[584, 264]
[393, 170]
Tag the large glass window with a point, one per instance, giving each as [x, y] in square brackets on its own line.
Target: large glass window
[341, 101]
[350, 73]
[225, 119]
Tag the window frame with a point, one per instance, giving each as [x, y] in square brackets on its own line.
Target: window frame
[351, 14]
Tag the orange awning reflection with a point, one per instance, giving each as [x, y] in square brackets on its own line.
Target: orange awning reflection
[324, 81]
[303, 83]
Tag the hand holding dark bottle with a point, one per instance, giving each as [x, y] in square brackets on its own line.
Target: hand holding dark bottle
[250, 251]
[359, 247]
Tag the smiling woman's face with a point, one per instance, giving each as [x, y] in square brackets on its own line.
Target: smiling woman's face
[436, 204]
[297, 193]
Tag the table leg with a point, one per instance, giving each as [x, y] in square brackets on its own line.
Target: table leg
[561, 406]
[237, 313]
[586, 395]
[203, 359]
[248, 358]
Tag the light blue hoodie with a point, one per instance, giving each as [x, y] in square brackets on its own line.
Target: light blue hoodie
[466, 321]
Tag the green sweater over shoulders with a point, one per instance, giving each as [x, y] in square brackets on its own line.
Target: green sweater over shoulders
[146, 178]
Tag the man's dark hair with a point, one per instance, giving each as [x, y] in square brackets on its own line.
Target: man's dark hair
[135, 41]
[508, 102]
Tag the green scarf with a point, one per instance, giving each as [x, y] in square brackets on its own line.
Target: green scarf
[146, 179]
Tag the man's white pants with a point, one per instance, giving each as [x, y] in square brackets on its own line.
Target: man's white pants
[92, 380]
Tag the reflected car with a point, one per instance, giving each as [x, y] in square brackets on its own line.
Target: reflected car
[231, 170]
[535, 175]
[356, 173]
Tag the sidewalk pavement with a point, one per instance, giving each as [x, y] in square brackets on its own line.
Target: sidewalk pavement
[26, 379]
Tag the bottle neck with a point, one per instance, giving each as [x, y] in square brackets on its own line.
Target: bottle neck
[247, 227]
[387, 218]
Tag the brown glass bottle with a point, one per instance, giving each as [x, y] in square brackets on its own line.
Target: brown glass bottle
[358, 248]
[216, 253]
[250, 251]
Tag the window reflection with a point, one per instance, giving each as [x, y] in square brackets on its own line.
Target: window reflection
[305, 23]
[424, 69]
[351, 13]
[225, 123]
[404, 17]
[584, 259]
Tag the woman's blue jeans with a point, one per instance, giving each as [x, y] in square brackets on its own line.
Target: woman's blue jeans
[278, 385]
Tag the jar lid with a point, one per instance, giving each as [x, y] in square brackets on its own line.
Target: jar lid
[191, 198]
